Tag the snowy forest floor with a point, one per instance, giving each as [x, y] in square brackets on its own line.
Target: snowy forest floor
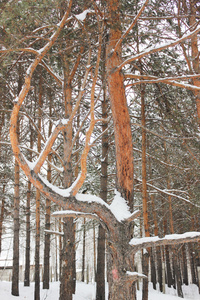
[87, 292]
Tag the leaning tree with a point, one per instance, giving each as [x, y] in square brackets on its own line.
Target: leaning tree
[117, 218]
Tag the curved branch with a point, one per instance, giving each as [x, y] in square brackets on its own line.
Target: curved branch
[24, 91]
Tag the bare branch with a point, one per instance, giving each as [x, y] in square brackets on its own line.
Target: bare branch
[131, 26]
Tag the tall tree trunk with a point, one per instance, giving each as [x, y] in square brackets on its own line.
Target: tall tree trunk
[37, 213]
[175, 259]
[28, 231]
[15, 273]
[100, 275]
[144, 193]
[68, 278]
[120, 285]
[46, 274]
[27, 254]
[121, 118]
[2, 211]
[4, 185]
[195, 53]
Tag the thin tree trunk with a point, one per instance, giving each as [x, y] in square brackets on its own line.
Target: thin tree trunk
[145, 271]
[144, 194]
[37, 237]
[83, 253]
[46, 274]
[94, 247]
[100, 275]
[28, 231]
[15, 273]
[4, 185]
[27, 255]
[192, 263]
[2, 211]
[195, 53]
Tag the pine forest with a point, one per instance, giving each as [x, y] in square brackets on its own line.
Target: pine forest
[99, 147]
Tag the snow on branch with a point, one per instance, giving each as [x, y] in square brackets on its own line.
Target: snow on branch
[24, 91]
[73, 214]
[172, 239]
[81, 17]
[159, 48]
[53, 232]
[169, 80]
[135, 275]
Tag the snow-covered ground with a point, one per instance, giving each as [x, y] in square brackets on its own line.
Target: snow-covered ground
[87, 292]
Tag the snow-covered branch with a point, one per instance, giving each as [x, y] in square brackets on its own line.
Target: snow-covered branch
[170, 81]
[172, 239]
[159, 48]
[53, 232]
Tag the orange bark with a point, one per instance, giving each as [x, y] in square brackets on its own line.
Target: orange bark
[121, 118]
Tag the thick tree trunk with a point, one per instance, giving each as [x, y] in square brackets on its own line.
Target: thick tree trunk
[120, 285]
[68, 276]
[120, 114]
[184, 262]
[153, 269]
[192, 263]
[168, 266]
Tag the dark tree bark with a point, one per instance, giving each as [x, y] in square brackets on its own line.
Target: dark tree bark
[145, 271]
[168, 267]
[37, 200]
[184, 265]
[15, 273]
[100, 275]
[68, 275]
[83, 253]
[28, 227]
[46, 274]
[27, 254]
[2, 211]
